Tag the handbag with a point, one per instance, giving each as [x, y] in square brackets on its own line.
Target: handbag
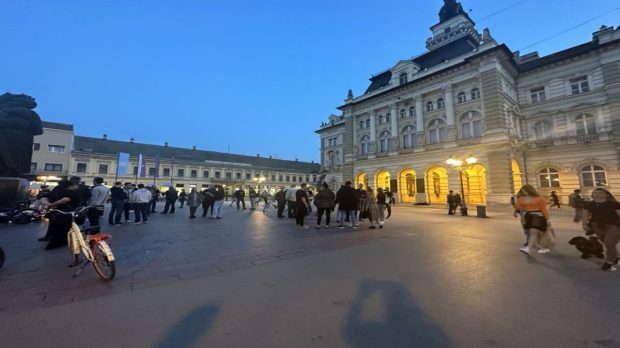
[547, 239]
[535, 221]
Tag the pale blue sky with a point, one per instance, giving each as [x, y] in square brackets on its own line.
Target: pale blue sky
[246, 75]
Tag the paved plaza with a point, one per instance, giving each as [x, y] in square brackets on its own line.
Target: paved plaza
[252, 280]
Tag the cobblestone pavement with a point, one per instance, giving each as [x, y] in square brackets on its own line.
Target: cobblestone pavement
[173, 247]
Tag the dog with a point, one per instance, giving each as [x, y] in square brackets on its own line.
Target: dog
[588, 247]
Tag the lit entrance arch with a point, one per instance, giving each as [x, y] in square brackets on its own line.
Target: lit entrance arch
[517, 176]
[406, 185]
[475, 184]
[362, 178]
[437, 184]
[382, 180]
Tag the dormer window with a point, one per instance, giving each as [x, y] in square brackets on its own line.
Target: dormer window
[403, 78]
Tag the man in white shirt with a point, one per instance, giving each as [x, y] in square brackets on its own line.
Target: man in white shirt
[140, 199]
[98, 196]
[291, 199]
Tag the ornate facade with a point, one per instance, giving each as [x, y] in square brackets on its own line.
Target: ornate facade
[551, 121]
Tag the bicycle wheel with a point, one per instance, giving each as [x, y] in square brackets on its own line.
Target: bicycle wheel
[265, 208]
[103, 263]
[75, 257]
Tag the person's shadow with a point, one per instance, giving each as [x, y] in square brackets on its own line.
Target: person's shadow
[403, 323]
[186, 331]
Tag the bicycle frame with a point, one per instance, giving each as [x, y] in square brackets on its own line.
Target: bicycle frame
[80, 244]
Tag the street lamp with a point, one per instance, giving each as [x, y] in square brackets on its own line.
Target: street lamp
[461, 167]
[259, 180]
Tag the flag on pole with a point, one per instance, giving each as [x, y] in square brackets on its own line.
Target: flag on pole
[156, 174]
[123, 164]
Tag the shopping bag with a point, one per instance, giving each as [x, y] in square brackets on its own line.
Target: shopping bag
[547, 239]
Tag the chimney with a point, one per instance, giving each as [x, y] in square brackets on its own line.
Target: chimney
[194, 147]
[105, 137]
[131, 140]
[166, 144]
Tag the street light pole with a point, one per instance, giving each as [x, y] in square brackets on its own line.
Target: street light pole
[462, 166]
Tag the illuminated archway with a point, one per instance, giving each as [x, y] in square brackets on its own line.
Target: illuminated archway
[382, 180]
[406, 185]
[517, 176]
[361, 178]
[437, 184]
[475, 184]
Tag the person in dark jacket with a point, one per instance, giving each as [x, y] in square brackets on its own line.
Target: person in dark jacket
[240, 197]
[348, 202]
[324, 201]
[128, 206]
[280, 198]
[208, 200]
[171, 197]
[66, 198]
[118, 198]
[301, 206]
[451, 198]
[601, 215]
[555, 200]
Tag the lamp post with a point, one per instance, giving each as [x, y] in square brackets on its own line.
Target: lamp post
[259, 180]
[461, 166]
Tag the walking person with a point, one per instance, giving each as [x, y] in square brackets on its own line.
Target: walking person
[280, 198]
[373, 208]
[98, 196]
[575, 200]
[290, 195]
[141, 199]
[253, 196]
[218, 195]
[240, 197]
[381, 204]
[601, 216]
[451, 202]
[182, 197]
[389, 201]
[208, 200]
[128, 206]
[555, 200]
[194, 199]
[118, 198]
[171, 197]
[536, 216]
[301, 206]
[324, 201]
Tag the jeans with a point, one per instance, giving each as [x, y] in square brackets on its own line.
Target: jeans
[116, 211]
[352, 215]
[291, 209]
[141, 209]
[217, 209]
[578, 215]
[153, 204]
[192, 212]
[128, 206]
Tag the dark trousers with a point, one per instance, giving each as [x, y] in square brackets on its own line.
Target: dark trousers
[206, 206]
[328, 213]
[389, 210]
[451, 208]
[280, 208]
[182, 201]
[192, 211]
[58, 228]
[242, 202]
[291, 209]
[141, 209]
[116, 211]
[153, 204]
[93, 216]
[128, 206]
[169, 205]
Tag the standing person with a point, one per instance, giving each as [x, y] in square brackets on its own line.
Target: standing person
[240, 197]
[324, 201]
[98, 197]
[290, 195]
[381, 204]
[363, 204]
[532, 204]
[234, 199]
[301, 206]
[82, 189]
[253, 196]
[280, 198]
[65, 197]
[389, 201]
[171, 198]
[128, 206]
[451, 202]
[310, 198]
[155, 196]
[390, 197]
[373, 208]
[208, 199]
[118, 197]
[458, 202]
[193, 201]
[347, 203]
[218, 195]
[141, 199]
[182, 197]
[555, 200]
[601, 215]
[520, 213]
[575, 200]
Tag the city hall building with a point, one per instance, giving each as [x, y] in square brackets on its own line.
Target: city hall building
[499, 118]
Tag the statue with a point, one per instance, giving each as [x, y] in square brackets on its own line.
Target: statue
[450, 9]
[18, 124]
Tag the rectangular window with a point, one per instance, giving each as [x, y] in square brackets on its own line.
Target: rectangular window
[151, 171]
[135, 170]
[248, 176]
[238, 175]
[53, 167]
[217, 175]
[538, 95]
[273, 177]
[56, 148]
[33, 167]
[81, 168]
[314, 178]
[228, 175]
[288, 178]
[579, 85]
[280, 178]
[193, 173]
[36, 146]
[166, 171]
[103, 169]
[181, 172]
[205, 173]
[294, 178]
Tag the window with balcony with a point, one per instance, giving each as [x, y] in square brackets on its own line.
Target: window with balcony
[280, 178]
[408, 137]
[205, 174]
[273, 177]
[388, 117]
[248, 176]
[294, 178]
[549, 177]
[103, 169]
[81, 168]
[403, 78]
[429, 106]
[229, 175]
[440, 103]
[437, 131]
[593, 176]
[384, 141]
[367, 123]
[475, 94]
[461, 97]
[288, 178]
[579, 85]
[53, 167]
[537, 95]
[152, 172]
[364, 142]
[543, 130]
[361, 124]
[471, 125]
[56, 148]
[238, 175]
[585, 124]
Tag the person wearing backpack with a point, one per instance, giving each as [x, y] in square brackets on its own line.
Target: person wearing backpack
[575, 200]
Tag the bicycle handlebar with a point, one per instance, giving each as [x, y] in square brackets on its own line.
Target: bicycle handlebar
[70, 212]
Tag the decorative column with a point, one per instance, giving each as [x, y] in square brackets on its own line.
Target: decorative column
[394, 127]
[419, 120]
[448, 102]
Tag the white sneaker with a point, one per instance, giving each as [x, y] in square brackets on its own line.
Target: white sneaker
[525, 250]
[544, 251]
[305, 226]
[326, 226]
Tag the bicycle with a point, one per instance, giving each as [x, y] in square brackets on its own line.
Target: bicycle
[270, 203]
[94, 247]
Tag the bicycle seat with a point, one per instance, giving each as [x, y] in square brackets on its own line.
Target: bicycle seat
[99, 237]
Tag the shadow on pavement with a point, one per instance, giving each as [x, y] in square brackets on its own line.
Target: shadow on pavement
[187, 330]
[385, 315]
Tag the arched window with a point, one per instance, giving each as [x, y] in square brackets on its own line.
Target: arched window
[387, 117]
[542, 130]
[475, 94]
[585, 124]
[403, 78]
[437, 131]
[384, 141]
[367, 123]
[380, 119]
[429, 106]
[440, 103]
[412, 111]
[461, 97]
[549, 177]
[471, 125]
[403, 113]
[361, 124]
[592, 176]
[408, 136]
[364, 141]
